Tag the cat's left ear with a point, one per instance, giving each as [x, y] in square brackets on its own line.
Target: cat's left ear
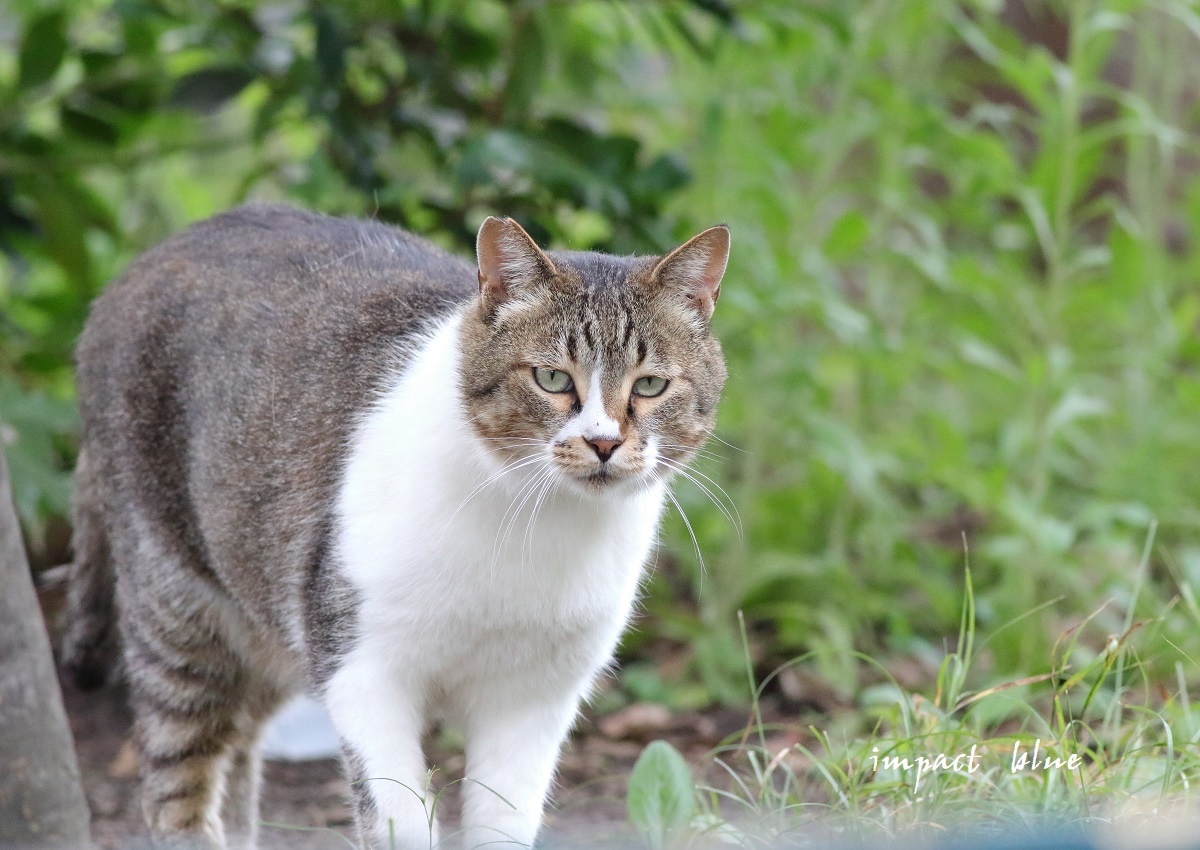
[695, 269]
[509, 260]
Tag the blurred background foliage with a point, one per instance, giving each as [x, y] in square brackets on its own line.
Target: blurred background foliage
[961, 315]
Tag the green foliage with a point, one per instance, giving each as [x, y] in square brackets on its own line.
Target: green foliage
[961, 307]
[31, 427]
[660, 796]
[122, 121]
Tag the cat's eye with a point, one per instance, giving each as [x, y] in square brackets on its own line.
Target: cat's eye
[553, 380]
[649, 386]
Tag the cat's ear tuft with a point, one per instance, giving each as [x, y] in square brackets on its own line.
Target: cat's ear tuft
[695, 269]
[508, 260]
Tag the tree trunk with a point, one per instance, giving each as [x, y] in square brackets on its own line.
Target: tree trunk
[41, 799]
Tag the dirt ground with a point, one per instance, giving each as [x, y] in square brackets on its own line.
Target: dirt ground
[312, 799]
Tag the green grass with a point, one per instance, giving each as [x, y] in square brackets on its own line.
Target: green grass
[1087, 746]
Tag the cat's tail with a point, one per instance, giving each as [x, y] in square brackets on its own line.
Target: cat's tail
[89, 648]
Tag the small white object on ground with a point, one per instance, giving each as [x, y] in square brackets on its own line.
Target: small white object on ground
[301, 731]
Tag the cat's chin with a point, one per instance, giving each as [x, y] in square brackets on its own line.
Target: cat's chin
[606, 483]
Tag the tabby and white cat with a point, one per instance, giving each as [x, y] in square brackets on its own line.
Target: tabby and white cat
[316, 454]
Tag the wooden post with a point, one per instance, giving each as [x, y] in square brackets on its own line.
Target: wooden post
[41, 798]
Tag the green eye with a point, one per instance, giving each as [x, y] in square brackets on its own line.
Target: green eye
[553, 380]
[649, 386]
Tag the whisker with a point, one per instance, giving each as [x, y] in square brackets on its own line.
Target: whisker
[542, 485]
[538, 502]
[685, 470]
[720, 507]
[716, 437]
[514, 508]
[537, 506]
[511, 466]
[687, 524]
[707, 454]
[735, 518]
[521, 451]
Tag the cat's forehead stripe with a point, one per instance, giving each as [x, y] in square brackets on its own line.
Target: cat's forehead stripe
[585, 324]
[608, 326]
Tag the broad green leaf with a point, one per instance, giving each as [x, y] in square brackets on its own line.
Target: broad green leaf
[43, 48]
[88, 126]
[30, 423]
[661, 797]
[525, 78]
[847, 236]
[208, 89]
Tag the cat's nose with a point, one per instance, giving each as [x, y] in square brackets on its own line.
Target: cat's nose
[603, 448]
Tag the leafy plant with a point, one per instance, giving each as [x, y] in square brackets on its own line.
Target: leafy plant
[961, 303]
[660, 795]
[1083, 745]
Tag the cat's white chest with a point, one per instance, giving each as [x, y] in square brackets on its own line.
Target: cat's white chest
[466, 574]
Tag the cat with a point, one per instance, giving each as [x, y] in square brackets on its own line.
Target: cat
[323, 453]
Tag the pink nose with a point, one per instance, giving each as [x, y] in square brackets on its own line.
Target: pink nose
[604, 448]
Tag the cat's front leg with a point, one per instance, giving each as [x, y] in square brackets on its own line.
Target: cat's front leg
[513, 742]
[380, 719]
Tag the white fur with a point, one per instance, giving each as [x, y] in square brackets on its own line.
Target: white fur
[473, 607]
[593, 421]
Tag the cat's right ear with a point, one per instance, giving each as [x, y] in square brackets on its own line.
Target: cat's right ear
[509, 260]
[694, 269]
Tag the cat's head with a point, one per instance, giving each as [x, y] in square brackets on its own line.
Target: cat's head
[601, 369]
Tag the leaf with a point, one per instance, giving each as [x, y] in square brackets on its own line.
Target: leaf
[43, 48]
[87, 125]
[979, 353]
[661, 798]
[62, 207]
[208, 89]
[1075, 405]
[719, 9]
[681, 25]
[30, 422]
[847, 236]
[1129, 260]
[661, 177]
[331, 46]
[529, 49]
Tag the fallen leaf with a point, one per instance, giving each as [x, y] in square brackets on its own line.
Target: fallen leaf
[639, 720]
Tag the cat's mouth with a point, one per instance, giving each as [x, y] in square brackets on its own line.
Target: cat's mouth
[586, 472]
[606, 479]
[599, 478]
